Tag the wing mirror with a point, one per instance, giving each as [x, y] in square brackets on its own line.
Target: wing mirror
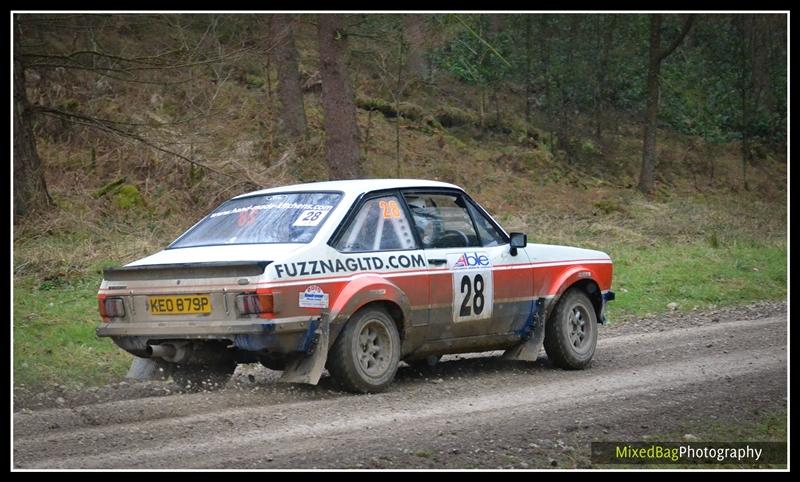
[518, 240]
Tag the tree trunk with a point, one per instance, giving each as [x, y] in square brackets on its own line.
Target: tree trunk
[601, 102]
[396, 95]
[30, 189]
[341, 130]
[657, 55]
[651, 112]
[293, 114]
[567, 127]
[544, 41]
[754, 80]
[414, 36]
[746, 76]
[527, 76]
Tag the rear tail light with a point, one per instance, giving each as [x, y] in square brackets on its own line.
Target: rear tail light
[255, 303]
[111, 308]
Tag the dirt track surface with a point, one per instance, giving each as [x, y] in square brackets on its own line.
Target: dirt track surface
[656, 376]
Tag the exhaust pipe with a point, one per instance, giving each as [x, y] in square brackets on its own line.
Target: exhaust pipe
[165, 351]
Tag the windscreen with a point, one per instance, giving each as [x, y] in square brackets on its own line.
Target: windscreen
[271, 218]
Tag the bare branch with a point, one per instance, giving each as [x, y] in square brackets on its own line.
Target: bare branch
[70, 57]
[96, 123]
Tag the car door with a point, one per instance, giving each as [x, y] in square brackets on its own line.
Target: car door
[513, 304]
[462, 260]
[379, 237]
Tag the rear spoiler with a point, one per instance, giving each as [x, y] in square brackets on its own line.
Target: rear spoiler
[216, 269]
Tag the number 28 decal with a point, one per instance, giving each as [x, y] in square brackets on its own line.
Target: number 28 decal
[472, 295]
[478, 301]
[389, 209]
[310, 217]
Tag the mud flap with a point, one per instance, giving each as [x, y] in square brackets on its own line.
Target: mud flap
[146, 369]
[532, 334]
[306, 366]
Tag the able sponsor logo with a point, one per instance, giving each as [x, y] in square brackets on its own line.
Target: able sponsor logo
[472, 260]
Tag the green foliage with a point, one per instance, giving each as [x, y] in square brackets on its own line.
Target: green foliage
[255, 80]
[370, 103]
[475, 55]
[409, 110]
[713, 240]
[572, 69]
[588, 147]
[697, 82]
[128, 196]
[111, 187]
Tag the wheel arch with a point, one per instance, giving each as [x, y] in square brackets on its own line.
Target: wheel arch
[370, 291]
[589, 287]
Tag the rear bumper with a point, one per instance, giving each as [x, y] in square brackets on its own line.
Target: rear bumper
[206, 329]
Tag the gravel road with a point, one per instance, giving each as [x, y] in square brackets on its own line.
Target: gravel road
[649, 377]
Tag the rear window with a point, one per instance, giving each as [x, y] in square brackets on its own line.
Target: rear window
[271, 218]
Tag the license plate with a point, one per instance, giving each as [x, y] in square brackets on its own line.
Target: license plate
[179, 305]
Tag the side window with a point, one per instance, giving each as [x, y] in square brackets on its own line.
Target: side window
[490, 236]
[442, 220]
[380, 224]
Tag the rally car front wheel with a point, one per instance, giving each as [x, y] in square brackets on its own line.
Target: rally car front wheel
[570, 336]
[365, 356]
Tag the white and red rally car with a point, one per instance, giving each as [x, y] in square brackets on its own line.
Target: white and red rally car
[352, 276]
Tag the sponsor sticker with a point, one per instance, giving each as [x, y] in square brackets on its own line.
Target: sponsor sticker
[313, 297]
[473, 285]
[349, 264]
[310, 217]
[472, 260]
[278, 205]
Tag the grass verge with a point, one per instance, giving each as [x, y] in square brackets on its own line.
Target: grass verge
[54, 335]
[694, 276]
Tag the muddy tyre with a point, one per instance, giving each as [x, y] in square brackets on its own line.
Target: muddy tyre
[195, 378]
[365, 356]
[571, 332]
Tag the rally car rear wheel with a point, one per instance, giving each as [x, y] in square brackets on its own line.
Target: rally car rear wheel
[571, 332]
[365, 356]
